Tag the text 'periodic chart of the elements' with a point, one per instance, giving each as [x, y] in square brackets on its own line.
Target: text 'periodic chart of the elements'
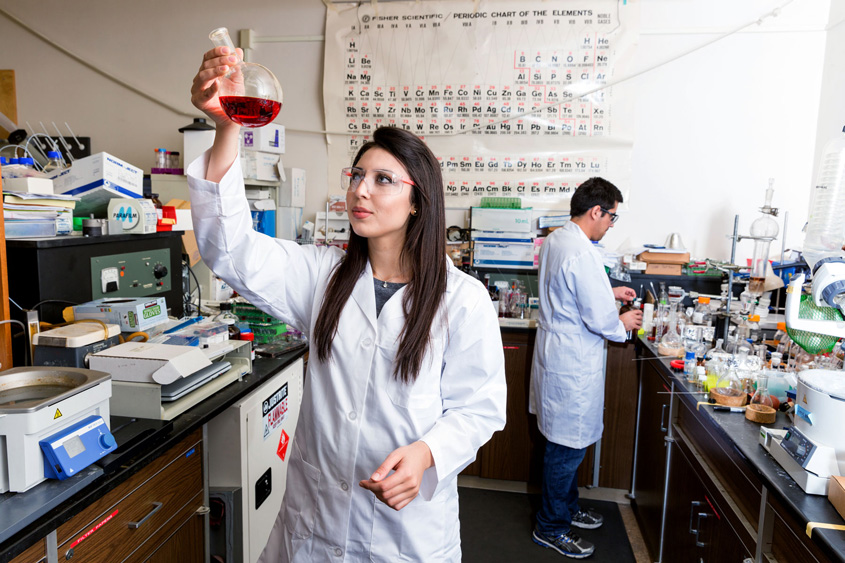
[516, 99]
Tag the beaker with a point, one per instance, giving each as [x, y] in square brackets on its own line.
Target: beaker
[249, 93]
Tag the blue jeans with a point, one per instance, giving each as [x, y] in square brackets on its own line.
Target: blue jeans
[560, 489]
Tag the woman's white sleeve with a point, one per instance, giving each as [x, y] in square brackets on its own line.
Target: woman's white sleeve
[278, 276]
[473, 391]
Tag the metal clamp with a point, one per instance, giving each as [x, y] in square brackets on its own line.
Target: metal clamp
[135, 525]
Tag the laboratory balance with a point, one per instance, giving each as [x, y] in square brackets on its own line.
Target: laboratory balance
[53, 423]
[813, 448]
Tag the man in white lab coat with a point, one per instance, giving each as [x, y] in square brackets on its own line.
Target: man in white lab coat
[577, 313]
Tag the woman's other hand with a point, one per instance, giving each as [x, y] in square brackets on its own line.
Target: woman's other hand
[408, 464]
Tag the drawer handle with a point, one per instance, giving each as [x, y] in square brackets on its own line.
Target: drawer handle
[698, 542]
[135, 525]
[693, 505]
[663, 418]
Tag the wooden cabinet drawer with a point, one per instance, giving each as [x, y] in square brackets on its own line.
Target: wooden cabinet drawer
[742, 486]
[789, 542]
[154, 502]
[35, 554]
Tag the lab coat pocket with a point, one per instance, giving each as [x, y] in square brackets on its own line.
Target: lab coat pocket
[302, 489]
[414, 533]
[419, 395]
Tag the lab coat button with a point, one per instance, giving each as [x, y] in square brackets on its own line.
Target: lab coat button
[367, 342]
[352, 415]
[344, 485]
[338, 552]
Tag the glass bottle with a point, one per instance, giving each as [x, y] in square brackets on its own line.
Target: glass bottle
[764, 230]
[702, 315]
[249, 93]
[55, 163]
[761, 395]
[754, 328]
[663, 296]
[153, 197]
[229, 318]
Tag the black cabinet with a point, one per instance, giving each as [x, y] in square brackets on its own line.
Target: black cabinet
[653, 424]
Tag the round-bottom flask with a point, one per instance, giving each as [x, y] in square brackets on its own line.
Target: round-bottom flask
[249, 93]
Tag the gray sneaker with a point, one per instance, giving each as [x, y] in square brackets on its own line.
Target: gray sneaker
[587, 519]
[567, 544]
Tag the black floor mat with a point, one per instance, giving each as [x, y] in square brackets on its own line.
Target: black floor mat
[496, 528]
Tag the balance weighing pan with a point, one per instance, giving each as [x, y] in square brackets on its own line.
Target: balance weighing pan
[28, 389]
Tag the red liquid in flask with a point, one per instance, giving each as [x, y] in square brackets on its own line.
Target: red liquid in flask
[250, 112]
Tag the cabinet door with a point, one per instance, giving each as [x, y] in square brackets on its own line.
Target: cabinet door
[185, 546]
[508, 454]
[654, 423]
[690, 519]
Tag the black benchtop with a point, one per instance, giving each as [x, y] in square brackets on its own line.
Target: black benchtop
[742, 435]
[165, 436]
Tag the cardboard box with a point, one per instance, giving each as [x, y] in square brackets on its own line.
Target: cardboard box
[98, 178]
[836, 493]
[292, 188]
[493, 219]
[262, 166]
[270, 138]
[664, 269]
[664, 257]
[288, 222]
[131, 313]
[149, 363]
[513, 255]
[28, 185]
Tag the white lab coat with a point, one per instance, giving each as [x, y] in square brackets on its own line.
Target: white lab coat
[354, 413]
[577, 313]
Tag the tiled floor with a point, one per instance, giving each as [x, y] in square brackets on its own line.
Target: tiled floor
[598, 493]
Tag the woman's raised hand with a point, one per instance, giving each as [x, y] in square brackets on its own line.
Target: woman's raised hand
[215, 63]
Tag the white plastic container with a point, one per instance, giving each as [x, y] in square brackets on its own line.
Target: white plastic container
[825, 227]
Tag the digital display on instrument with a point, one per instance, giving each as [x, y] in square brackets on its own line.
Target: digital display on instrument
[74, 446]
[798, 446]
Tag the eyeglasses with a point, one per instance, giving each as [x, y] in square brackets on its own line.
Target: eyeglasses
[613, 216]
[378, 181]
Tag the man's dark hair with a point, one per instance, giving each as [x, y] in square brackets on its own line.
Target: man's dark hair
[595, 191]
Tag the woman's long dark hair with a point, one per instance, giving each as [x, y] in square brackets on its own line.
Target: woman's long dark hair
[424, 253]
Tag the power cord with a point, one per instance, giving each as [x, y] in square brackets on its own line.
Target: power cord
[26, 360]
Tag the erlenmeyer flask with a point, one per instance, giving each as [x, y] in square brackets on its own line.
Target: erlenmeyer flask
[249, 93]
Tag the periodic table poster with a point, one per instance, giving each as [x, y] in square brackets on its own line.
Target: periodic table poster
[516, 99]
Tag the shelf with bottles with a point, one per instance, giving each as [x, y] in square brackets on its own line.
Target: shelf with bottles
[335, 224]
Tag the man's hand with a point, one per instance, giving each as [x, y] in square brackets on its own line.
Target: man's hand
[625, 294]
[632, 320]
[408, 464]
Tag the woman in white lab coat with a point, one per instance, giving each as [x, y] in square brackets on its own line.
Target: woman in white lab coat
[399, 394]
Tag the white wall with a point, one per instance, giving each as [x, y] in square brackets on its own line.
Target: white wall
[711, 128]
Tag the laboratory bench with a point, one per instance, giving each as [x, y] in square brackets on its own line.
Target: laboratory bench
[155, 460]
[705, 489]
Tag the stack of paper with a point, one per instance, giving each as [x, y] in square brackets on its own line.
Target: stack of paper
[28, 214]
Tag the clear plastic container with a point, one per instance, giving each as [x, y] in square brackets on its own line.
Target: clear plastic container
[825, 227]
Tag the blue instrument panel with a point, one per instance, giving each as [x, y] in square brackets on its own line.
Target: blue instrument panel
[76, 447]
